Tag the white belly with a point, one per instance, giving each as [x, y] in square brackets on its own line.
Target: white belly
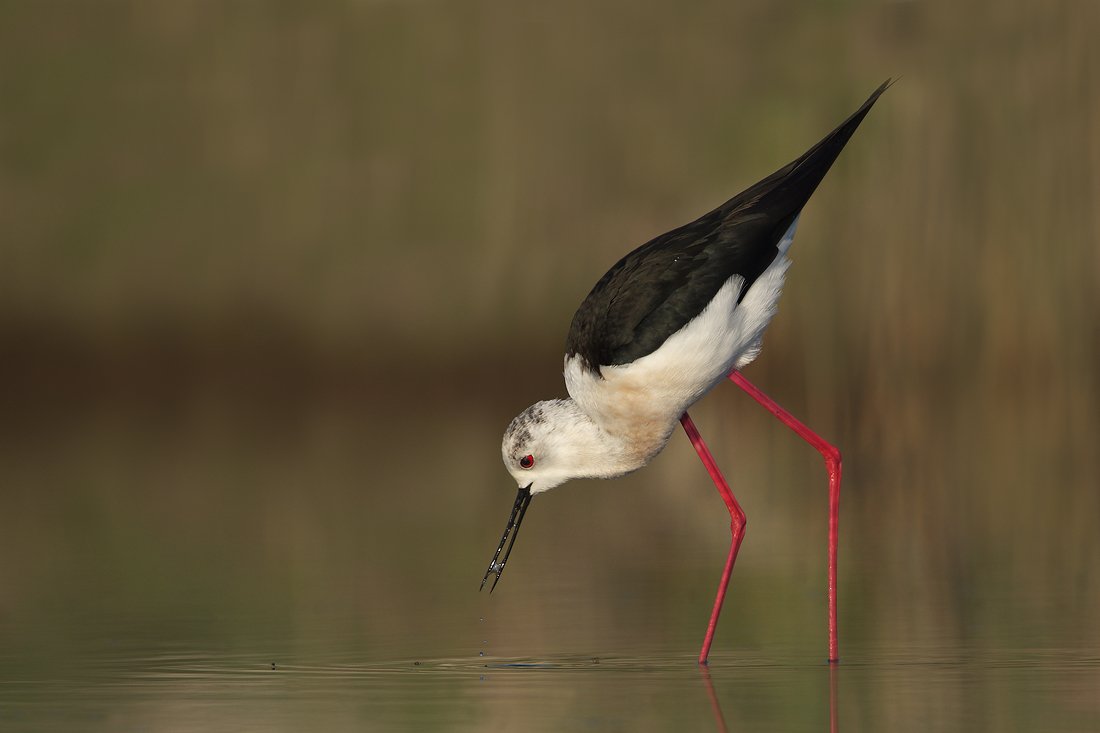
[647, 396]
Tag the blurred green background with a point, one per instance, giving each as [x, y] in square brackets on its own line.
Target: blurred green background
[275, 276]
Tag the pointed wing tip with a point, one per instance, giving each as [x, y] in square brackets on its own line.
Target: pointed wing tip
[890, 81]
[859, 114]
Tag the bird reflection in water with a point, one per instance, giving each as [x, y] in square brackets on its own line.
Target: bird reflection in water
[720, 718]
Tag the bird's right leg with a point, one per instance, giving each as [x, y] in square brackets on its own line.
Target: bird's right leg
[831, 455]
[737, 526]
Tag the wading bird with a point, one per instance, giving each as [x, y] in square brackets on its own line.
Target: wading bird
[665, 325]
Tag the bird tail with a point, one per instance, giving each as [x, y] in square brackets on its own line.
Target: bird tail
[791, 186]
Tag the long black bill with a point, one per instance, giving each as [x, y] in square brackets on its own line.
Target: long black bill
[523, 499]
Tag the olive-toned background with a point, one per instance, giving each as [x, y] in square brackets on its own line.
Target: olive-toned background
[275, 276]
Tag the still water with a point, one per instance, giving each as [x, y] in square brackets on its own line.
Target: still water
[216, 567]
[111, 681]
[214, 564]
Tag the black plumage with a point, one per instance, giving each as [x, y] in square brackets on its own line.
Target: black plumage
[658, 288]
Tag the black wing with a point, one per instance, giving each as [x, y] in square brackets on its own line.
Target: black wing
[655, 290]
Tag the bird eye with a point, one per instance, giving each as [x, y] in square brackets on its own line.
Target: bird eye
[526, 461]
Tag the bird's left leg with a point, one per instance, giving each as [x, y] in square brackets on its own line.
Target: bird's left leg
[832, 465]
[737, 526]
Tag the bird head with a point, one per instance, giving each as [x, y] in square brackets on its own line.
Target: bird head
[544, 446]
[549, 443]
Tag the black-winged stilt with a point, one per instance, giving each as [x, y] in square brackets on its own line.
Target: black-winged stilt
[665, 325]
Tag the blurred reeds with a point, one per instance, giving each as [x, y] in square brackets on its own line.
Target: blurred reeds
[274, 277]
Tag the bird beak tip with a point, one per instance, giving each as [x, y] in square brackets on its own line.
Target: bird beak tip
[523, 498]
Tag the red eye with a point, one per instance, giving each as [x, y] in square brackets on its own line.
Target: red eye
[526, 461]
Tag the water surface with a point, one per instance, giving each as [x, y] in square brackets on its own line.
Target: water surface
[334, 684]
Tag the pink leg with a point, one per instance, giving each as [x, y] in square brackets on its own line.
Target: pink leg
[737, 526]
[832, 465]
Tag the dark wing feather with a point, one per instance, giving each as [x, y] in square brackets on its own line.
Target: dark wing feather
[655, 290]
